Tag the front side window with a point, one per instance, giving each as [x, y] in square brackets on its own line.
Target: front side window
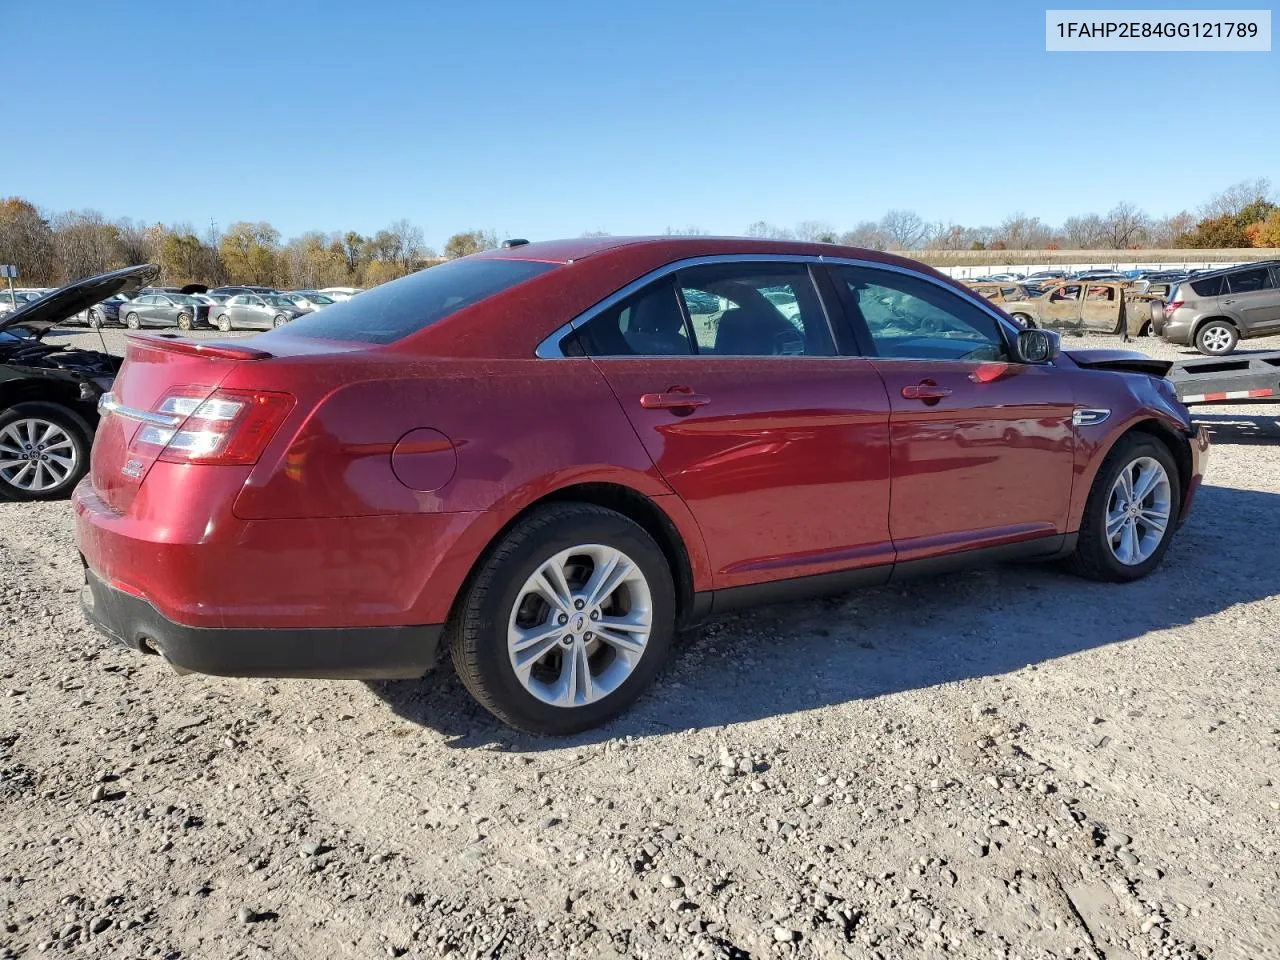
[911, 318]
[755, 310]
[1100, 294]
[1064, 294]
[1247, 281]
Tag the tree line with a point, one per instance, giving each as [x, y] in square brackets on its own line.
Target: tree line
[51, 248]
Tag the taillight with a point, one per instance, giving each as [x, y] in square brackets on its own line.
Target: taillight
[1172, 306]
[225, 427]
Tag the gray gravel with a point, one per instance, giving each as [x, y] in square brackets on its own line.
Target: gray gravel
[998, 763]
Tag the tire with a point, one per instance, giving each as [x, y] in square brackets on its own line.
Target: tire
[1024, 321]
[224, 323]
[1217, 338]
[132, 322]
[95, 320]
[31, 480]
[1096, 557]
[280, 320]
[184, 321]
[498, 596]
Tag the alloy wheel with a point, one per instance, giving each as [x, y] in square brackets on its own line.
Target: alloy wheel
[579, 625]
[1216, 340]
[1138, 511]
[36, 455]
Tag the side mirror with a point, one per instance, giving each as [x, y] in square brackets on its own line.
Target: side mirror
[1038, 346]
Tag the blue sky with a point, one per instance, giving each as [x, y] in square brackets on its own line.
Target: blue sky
[550, 119]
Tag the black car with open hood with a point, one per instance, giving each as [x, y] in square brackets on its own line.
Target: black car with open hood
[49, 393]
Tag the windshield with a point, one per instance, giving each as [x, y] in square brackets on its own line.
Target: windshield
[396, 309]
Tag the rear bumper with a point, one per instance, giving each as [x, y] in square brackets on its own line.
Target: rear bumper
[356, 653]
[1199, 444]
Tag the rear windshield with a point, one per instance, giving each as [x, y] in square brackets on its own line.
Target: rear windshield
[394, 310]
[1208, 287]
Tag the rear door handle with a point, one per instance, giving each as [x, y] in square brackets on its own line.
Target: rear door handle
[926, 390]
[1231, 300]
[676, 398]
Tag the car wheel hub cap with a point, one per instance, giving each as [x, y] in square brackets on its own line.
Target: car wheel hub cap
[1217, 339]
[36, 455]
[580, 625]
[1138, 511]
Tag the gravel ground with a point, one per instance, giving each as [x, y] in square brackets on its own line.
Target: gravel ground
[1003, 763]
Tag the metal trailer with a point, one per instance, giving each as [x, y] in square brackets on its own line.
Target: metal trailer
[1247, 378]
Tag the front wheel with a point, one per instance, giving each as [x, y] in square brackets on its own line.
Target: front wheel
[567, 620]
[1217, 338]
[44, 451]
[132, 321]
[1131, 512]
[95, 320]
[224, 323]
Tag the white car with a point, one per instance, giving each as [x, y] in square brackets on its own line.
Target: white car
[310, 299]
[341, 293]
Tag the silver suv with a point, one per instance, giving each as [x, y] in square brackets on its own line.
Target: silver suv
[1212, 312]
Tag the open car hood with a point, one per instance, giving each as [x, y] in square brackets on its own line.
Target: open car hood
[36, 316]
[1125, 361]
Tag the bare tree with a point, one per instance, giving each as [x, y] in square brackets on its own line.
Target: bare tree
[769, 231]
[411, 245]
[687, 232]
[1127, 226]
[904, 229]
[1020, 232]
[815, 231]
[866, 234]
[1165, 232]
[84, 243]
[1086, 232]
[1236, 197]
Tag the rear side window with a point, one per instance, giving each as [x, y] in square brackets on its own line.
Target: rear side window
[646, 324]
[1208, 287]
[1246, 281]
[393, 310]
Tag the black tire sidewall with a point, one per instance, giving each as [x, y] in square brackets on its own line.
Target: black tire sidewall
[1126, 451]
[505, 576]
[76, 428]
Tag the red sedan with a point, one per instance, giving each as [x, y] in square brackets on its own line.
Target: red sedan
[551, 456]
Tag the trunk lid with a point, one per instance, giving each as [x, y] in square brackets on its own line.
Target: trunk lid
[154, 367]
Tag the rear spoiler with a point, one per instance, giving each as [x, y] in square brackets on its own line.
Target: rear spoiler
[177, 344]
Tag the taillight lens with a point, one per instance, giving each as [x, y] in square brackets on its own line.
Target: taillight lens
[224, 427]
[1172, 306]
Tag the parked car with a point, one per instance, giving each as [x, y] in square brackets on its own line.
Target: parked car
[11, 301]
[1095, 305]
[341, 293]
[100, 314]
[49, 393]
[165, 310]
[470, 456]
[309, 299]
[999, 291]
[256, 311]
[233, 291]
[1214, 311]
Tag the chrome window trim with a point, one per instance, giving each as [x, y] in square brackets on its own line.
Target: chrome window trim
[549, 348]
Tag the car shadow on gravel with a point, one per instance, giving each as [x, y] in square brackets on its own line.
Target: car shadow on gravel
[919, 634]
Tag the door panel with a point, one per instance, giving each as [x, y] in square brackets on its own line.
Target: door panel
[1060, 308]
[785, 467]
[1100, 309]
[989, 462]
[982, 448]
[1253, 297]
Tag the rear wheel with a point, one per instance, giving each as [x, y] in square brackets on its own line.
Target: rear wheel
[184, 321]
[1131, 512]
[224, 323]
[44, 451]
[567, 620]
[132, 321]
[280, 320]
[95, 318]
[1216, 338]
